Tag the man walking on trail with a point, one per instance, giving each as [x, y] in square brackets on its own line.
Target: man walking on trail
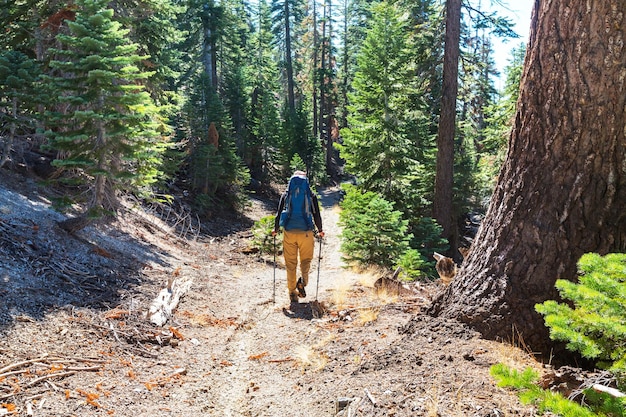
[299, 216]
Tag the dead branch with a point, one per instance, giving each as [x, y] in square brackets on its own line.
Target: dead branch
[370, 396]
[22, 363]
[43, 378]
[83, 368]
[13, 373]
[288, 359]
[608, 390]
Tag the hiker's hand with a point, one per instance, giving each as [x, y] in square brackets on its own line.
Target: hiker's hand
[320, 234]
[274, 232]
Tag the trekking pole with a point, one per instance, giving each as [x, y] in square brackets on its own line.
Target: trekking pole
[319, 261]
[274, 291]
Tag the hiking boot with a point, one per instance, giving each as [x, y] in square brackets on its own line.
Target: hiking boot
[300, 288]
[293, 297]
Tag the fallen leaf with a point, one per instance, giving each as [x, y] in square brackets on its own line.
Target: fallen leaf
[91, 397]
[55, 368]
[116, 313]
[177, 334]
[9, 407]
[257, 357]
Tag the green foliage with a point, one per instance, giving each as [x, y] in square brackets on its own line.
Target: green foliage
[215, 169]
[512, 378]
[596, 324]
[296, 139]
[378, 146]
[413, 265]
[373, 232]
[261, 147]
[105, 124]
[495, 134]
[604, 404]
[262, 235]
[20, 93]
[427, 240]
[297, 164]
[530, 393]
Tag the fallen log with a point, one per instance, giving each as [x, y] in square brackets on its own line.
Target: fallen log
[166, 302]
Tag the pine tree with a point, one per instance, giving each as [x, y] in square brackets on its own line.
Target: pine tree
[261, 148]
[373, 232]
[499, 120]
[377, 147]
[106, 125]
[20, 92]
[595, 325]
[215, 171]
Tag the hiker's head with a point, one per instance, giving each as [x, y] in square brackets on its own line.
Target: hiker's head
[300, 174]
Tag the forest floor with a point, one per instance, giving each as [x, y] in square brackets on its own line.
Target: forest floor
[75, 339]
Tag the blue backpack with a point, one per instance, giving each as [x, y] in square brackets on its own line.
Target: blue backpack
[297, 213]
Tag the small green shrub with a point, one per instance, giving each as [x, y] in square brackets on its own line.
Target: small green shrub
[530, 393]
[596, 325]
[593, 324]
[262, 235]
[297, 163]
[427, 240]
[373, 232]
[413, 265]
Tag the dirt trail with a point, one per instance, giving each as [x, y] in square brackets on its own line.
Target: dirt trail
[74, 339]
[262, 363]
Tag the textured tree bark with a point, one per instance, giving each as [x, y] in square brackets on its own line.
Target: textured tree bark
[442, 204]
[291, 95]
[562, 190]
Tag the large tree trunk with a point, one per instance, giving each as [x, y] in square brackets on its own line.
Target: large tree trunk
[442, 204]
[291, 95]
[562, 190]
[209, 53]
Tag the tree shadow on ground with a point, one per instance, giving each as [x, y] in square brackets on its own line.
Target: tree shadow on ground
[43, 268]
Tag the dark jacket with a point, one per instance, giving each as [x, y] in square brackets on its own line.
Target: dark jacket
[315, 211]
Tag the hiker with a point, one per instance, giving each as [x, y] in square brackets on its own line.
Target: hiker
[299, 215]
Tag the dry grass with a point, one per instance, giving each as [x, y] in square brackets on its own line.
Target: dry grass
[368, 276]
[384, 297]
[309, 358]
[340, 292]
[516, 354]
[367, 315]
[432, 403]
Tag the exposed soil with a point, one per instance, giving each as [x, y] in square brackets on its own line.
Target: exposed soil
[75, 339]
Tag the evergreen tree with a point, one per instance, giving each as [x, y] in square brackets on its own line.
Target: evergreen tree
[235, 67]
[476, 93]
[288, 15]
[373, 232]
[594, 324]
[106, 125]
[152, 25]
[20, 92]
[215, 172]
[260, 151]
[377, 147]
[27, 22]
[499, 120]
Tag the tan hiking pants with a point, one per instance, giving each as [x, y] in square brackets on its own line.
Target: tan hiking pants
[297, 242]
